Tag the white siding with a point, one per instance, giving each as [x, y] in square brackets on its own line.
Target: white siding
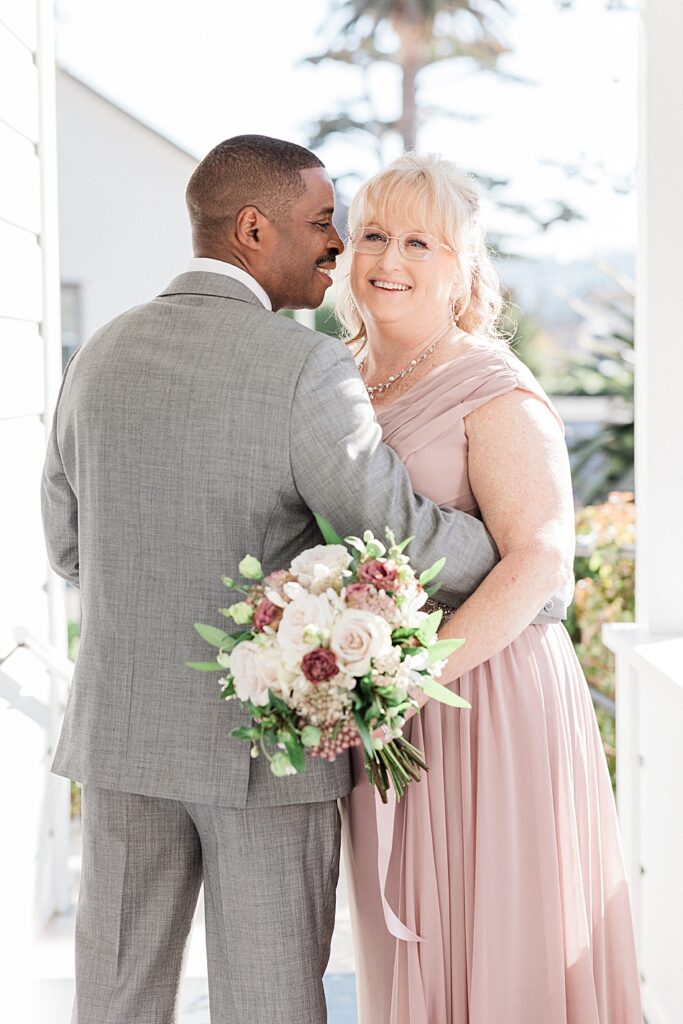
[18, 84]
[19, 180]
[21, 273]
[29, 343]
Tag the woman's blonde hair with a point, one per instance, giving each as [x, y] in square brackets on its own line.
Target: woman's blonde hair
[438, 197]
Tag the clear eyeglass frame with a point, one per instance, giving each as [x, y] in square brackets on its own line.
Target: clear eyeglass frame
[376, 248]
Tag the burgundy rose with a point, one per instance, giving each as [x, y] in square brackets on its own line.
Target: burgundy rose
[319, 665]
[383, 576]
[266, 614]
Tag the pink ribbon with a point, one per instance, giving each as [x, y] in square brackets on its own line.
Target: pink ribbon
[385, 815]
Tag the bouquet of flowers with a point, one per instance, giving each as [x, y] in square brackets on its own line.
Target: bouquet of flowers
[332, 653]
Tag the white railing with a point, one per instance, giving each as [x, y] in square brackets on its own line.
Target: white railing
[649, 728]
[60, 671]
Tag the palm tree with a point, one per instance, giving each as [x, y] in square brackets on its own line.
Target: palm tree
[414, 34]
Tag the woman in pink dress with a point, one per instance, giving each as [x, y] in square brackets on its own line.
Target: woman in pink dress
[500, 896]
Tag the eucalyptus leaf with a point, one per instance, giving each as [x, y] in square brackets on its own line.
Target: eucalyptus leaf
[443, 694]
[443, 649]
[428, 575]
[205, 666]
[428, 628]
[214, 636]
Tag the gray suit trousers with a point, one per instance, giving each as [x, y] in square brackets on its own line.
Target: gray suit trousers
[269, 874]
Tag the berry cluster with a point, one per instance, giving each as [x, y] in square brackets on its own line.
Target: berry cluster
[330, 748]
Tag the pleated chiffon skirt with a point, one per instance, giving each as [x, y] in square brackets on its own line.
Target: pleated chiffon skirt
[506, 859]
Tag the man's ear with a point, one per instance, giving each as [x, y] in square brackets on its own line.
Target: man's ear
[249, 227]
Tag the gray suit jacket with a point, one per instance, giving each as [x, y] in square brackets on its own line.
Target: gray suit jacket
[188, 432]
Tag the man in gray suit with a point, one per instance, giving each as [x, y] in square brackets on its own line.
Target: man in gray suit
[189, 431]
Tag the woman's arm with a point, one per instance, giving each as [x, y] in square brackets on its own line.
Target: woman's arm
[519, 474]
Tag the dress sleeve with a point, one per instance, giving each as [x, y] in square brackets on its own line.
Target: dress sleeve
[500, 373]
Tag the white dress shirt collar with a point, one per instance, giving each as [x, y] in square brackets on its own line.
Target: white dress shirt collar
[209, 266]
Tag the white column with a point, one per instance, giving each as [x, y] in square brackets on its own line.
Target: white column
[55, 871]
[649, 653]
[659, 341]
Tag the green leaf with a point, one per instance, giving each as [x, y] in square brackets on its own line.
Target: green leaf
[310, 736]
[281, 764]
[297, 755]
[278, 703]
[245, 732]
[205, 666]
[228, 581]
[403, 633]
[428, 575]
[328, 531]
[364, 732]
[404, 544]
[443, 649]
[428, 628]
[214, 636]
[443, 694]
[434, 589]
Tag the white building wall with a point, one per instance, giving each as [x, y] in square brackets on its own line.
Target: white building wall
[124, 232]
[29, 362]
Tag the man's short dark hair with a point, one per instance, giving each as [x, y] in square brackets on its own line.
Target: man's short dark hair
[247, 170]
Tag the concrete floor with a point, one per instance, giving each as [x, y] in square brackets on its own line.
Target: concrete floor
[50, 993]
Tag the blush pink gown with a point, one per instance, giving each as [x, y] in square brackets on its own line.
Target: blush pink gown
[505, 858]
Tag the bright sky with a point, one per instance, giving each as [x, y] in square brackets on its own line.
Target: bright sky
[201, 72]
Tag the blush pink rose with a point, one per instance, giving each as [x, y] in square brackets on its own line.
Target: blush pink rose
[266, 614]
[319, 665]
[380, 574]
[276, 580]
[369, 599]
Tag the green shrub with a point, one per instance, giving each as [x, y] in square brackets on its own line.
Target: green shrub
[605, 592]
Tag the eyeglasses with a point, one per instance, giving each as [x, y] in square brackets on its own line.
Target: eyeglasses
[413, 245]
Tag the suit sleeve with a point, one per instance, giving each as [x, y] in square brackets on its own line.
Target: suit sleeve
[59, 507]
[344, 472]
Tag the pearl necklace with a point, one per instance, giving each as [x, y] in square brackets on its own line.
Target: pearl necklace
[378, 389]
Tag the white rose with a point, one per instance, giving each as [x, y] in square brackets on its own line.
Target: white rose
[414, 598]
[254, 667]
[387, 664]
[305, 611]
[321, 567]
[343, 681]
[357, 637]
[408, 678]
